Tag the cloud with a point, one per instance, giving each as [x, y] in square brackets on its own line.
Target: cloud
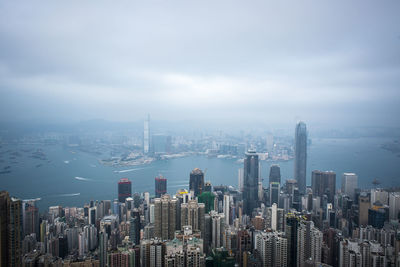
[204, 60]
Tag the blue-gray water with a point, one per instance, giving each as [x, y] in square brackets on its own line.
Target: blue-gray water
[55, 181]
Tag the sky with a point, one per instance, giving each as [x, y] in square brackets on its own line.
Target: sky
[324, 62]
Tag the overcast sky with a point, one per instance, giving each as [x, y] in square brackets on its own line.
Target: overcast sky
[227, 61]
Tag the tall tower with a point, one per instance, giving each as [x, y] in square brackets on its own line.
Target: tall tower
[324, 183]
[146, 135]
[300, 156]
[349, 184]
[124, 189]
[10, 230]
[196, 182]
[192, 214]
[250, 183]
[165, 217]
[160, 186]
[275, 173]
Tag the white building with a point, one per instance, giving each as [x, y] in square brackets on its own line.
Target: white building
[349, 184]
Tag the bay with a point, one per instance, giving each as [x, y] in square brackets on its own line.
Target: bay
[72, 178]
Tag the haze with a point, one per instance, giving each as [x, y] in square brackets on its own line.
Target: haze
[269, 62]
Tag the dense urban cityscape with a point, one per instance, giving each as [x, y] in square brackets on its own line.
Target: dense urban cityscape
[206, 133]
[281, 224]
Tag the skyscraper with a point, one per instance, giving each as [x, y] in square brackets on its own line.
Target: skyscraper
[146, 135]
[250, 183]
[300, 156]
[196, 182]
[192, 213]
[324, 183]
[165, 217]
[349, 184]
[10, 230]
[272, 248]
[275, 173]
[124, 189]
[309, 243]
[274, 193]
[160, 186]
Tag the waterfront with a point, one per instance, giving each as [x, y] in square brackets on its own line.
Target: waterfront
[72, 178]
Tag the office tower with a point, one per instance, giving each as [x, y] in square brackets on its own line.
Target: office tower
[146, 136]
[275, 174]
[274, 192]
[250, 184]
[103, 249]
[292, 225]
[124, 189]
[363, 205]
[217, 229]
[300, 156]
[227, 206]
[134, 231]
[10, 230]
[272, 248]
[165, 217]
[196, 182]
[160, 186]
[240, 179]
[192, 214]
[394, 205]
[349, 184]
[324, 183]
[309, 243]
[208, 199]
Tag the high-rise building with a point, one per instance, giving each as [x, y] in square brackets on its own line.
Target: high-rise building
[160, 186]
[146, 135]
[269, 142]
[152, 253]
[10, 230]
[227, 205]
[103, 248]
[324, 183]
[196, 182]
[309, 243]
[134, 231]
[300, 156]
[274, 192]
[217, 228]
[31, 219]
[292, 225]
[250, 183]
[240, 179]
[349, 184]
[394, 205]
[275, 218]
[379, 195]
[124, 189]
[192, 213]
[208, 199]
[275, 174]
[272, 248]
[363, 205]
[165, 217]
